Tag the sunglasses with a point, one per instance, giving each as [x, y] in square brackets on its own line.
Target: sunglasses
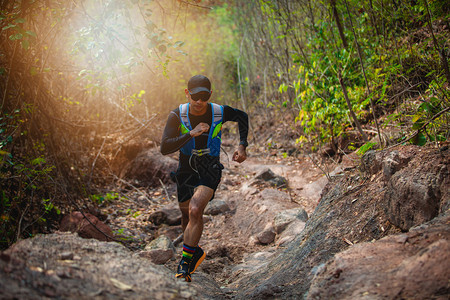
[201, 96]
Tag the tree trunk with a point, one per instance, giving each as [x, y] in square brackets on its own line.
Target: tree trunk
[338, 23]
[349, 105]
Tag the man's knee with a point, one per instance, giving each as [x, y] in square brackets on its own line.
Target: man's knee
[195, 213]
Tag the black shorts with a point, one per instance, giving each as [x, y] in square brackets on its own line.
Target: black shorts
[201, 170]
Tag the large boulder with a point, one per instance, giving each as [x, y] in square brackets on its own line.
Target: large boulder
[216, 206]
[149, 167]
[264, 205]
[286, 217]
[267, 175]
[169, 215]
[417, 191]
[159, 251]
[87, 226]
[39, 268]
[414, 265]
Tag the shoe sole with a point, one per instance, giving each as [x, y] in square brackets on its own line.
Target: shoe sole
[186, 277]
[200, 260]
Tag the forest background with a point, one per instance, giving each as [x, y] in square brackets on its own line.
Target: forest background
[78, 79]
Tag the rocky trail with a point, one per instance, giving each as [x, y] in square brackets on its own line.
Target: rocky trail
[375, 228]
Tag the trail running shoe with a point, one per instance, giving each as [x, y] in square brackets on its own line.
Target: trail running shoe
[183, 271]
[197, 258]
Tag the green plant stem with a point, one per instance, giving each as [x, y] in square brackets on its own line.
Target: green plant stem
[421, 128]
[352, 114]
[364, 73]
[440, 51]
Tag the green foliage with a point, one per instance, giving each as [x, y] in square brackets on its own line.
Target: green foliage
[48, 206]
[25, 181]
[102, 199]
[303, 43]
[366, 147]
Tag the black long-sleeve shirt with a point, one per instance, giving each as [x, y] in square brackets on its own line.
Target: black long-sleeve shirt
[172, 141]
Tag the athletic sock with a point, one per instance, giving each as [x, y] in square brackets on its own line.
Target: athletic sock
[188, 252]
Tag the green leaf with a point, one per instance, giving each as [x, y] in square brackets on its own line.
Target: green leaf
[364, 148]
[417, 125]
[440, 138]
[19, 20]
[25, 44]
[416, 117]
[33, 71]
[425, 107]
[420, 139]
[16, 36]
[3, 153]
[38, 161]
[178, 44]
[31, 33]
[434, 101]
[9, 26]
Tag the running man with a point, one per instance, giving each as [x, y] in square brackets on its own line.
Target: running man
[194, 128]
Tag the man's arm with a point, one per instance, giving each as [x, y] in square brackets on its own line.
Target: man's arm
[236, 115]
[171, 140]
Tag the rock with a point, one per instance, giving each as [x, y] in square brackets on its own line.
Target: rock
[170, 215]
[253, 211]
[393, 162]
[284, 218]
[66, 255]
[346, 217]
[415, 268]
[268, 176]
[328, 151]
[171, 232]
[76, 222]
[159, 251]
[216, 206]
[102, 271]
[371, 162]
[253, 262]
[266, 236]
[149, 167]
[291, 232]
[142, 201]
[161, 242]
[417, 192]
[158, 218]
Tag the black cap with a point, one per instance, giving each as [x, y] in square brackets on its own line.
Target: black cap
[199, 83]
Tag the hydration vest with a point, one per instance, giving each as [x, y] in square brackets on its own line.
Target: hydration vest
[215, 132]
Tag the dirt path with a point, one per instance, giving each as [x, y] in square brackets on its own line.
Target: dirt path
[229, 238]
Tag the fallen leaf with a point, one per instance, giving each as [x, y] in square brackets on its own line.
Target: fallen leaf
[37, 269]
[121, 285]
[347, 241]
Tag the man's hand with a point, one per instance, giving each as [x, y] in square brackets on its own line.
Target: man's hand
[240, 154]
[199, 129]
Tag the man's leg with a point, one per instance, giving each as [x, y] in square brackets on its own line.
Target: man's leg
[197, 205]
[184, 208]
[192, 223]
